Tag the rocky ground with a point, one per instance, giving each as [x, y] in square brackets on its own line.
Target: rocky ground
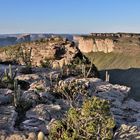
[45, 106]
[40, 102]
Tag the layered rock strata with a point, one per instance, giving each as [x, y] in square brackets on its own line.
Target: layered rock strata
[107, 42]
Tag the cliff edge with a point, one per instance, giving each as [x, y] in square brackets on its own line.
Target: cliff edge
[108, 42]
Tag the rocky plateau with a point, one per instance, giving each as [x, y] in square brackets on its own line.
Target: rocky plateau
[41, 104]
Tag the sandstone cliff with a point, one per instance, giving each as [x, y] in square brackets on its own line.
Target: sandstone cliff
[107, 43]
[95, 45]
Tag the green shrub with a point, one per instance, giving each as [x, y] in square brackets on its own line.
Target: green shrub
[93, 121]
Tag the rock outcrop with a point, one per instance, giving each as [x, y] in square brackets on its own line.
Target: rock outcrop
[63, 52]
[108, 42]
[95, 45]
[47, 106]
[57, 50]
[8, 117]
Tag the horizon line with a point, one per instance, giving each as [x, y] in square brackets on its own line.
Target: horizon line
[68, 33]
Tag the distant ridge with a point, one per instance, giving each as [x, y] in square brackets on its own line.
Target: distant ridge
[12, 39]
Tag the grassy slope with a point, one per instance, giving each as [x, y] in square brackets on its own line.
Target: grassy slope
[123, 69]
[114, 60]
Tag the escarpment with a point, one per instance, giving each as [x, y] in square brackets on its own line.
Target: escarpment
[87, 45]
[100, 42]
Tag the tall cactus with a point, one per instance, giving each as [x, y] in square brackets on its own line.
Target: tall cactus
[84, 70]
[107, 76]
[51, 79]
[26, 56]
[17, 93]
[10, 75]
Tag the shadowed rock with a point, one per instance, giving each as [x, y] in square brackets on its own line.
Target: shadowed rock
[7, 118]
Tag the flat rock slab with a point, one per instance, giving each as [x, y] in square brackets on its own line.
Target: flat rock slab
[5, 96]
[7, 118]
[38, 118]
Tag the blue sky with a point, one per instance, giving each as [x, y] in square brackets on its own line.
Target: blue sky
[69, 16]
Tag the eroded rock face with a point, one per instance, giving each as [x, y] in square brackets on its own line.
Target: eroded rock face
[56, 49]
[107, 43]
[95, 45]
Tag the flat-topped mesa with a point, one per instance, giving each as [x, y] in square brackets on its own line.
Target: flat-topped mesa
[108, 42]
[115, 35]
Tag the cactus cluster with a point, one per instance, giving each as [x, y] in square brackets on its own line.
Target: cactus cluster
[86, 70]
[26, 56]
[7, 78]
[10, 75]
[17, 94]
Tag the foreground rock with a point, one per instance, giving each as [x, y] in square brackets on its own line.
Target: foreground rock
[5, 96]
[125, 110]
[47, 107]
[45, 103]
[38, 118]
[8, 117]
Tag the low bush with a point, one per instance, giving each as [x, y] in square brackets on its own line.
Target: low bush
[93, 121]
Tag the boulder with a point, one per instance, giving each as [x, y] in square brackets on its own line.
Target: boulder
[8, 117]
[28, 77]
[38, 85]
[39, 117]
[5, 96]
